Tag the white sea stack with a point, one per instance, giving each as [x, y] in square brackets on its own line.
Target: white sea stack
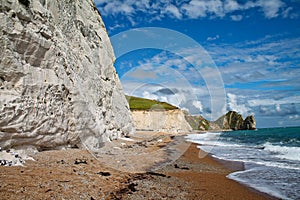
[58, 85]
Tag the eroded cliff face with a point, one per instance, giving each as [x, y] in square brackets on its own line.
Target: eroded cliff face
[58, 86]
[234, 121]
[161, 120]
[249, 123]
[231, 120]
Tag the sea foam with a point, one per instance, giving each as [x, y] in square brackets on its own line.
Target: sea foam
[289, 153]
[271, 157]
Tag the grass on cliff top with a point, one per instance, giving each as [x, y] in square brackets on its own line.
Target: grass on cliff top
[137, 103]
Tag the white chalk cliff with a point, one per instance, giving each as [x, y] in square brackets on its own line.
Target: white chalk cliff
[58, 86]
[161, 120]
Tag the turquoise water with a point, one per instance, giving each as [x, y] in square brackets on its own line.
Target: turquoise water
[271, 157]
[289, 137]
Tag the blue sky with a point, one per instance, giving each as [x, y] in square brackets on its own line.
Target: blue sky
[210, 56]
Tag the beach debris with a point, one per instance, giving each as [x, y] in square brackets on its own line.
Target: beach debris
[129, 189]
[48, 190]
[184, 168]
[80, 161]
[10, 158]
[157, 174]
[142, 144]
[104, 173]
[61, 162]
[132, 186]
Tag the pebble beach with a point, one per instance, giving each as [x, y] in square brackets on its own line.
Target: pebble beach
[145, 166]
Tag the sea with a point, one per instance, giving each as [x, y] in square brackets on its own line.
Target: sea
[271, 157]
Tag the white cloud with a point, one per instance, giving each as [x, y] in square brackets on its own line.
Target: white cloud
[198, 105]
[217, 8]
[282, 110]
[231, 5]
[277, 103]
[116, 26]
[199, 8]
[170, 84]
[271, 8]
[117, 7]
[195, 9]
[149, 95]
[233, 104]
[241, 62]
[192, 9]
[236, 17]
[140, 73]
[213, 38]
[174, 11]
[286, 12]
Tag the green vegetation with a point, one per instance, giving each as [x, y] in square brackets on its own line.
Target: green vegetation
[137, 103]
[205, 124]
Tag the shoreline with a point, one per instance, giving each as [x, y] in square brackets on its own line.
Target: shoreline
[173, 171]
[224, 168]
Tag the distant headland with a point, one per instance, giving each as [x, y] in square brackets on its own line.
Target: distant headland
[143, 115]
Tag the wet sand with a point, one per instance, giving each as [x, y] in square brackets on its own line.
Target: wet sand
[78, 174]
[207, 177]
